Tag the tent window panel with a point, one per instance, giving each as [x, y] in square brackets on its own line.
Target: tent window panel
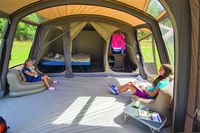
[3, 22]
[149, 52]
[35, 18]
[22, 44]
[155, 8]
[168, 37]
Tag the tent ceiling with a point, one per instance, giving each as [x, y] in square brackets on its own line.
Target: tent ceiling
[66, 10]
[10, 6]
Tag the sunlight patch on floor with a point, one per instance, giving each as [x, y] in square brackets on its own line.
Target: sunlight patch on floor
[92, 111]
[103, 112]
[72, 111]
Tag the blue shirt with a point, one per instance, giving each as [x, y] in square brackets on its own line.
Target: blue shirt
[31, 78]
[28, 77]
[161, 85]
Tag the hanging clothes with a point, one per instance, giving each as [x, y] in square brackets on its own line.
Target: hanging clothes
[118, 41]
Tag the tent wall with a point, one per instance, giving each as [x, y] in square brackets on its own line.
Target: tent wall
[41, 32]
[55, 46]
[131, 49]
[194, 85]
[89, 42]
[180, 16]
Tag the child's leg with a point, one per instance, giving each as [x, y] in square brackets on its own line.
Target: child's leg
[45, 80]
[127, 86]
[49, 78]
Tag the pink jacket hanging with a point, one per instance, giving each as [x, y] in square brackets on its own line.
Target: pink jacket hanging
[118, 41]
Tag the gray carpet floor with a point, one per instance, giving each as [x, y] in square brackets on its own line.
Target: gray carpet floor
[78, 105]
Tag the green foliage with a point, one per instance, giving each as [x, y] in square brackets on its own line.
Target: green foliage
[142, 33]
[25, 32]
[2, 25]
[35, 18]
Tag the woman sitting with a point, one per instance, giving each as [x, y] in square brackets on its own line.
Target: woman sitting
[32, 76]
[152, 91]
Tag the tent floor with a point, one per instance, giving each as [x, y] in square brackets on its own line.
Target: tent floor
[92, 68]
[80, 104]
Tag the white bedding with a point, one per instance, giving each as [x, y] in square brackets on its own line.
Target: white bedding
[80, 57]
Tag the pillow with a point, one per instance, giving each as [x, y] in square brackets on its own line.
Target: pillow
[22, 75]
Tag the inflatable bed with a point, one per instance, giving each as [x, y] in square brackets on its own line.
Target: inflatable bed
[58, 60]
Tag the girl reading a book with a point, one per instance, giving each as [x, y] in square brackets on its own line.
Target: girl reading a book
[32, 76]
[158, 84]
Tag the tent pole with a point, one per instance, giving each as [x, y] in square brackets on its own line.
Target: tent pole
[34, 45]
[154, 53]
[6, 53]
[67, 55]
[138, 55]
[3, 86]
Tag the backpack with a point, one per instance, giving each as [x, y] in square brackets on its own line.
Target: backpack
[3, 125]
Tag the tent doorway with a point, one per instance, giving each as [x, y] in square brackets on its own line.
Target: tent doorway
[120, 52]
[88, 43]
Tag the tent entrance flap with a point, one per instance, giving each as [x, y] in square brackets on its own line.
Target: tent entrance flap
[88, 47]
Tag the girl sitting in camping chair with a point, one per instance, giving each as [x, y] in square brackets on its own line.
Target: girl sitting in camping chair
[32, 76]
[152, 91]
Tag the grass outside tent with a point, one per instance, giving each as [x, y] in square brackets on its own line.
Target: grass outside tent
[20, 52]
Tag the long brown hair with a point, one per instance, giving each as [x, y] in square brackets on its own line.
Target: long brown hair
[168, 71]
[25, 63]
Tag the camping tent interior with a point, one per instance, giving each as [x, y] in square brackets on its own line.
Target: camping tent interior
[56, 18]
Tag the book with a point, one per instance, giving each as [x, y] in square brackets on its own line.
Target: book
[139, 81]
[150, 116]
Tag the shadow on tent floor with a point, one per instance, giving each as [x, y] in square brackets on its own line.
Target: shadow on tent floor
[94, 67]
[80, 104]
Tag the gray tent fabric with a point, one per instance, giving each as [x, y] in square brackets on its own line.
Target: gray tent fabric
[67, 55]
[178, 15]
[193, 97]
[105, 30]
[75, 29]
[38, 42]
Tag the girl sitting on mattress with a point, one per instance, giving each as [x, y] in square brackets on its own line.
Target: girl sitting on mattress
[152, 91]
[32, 76]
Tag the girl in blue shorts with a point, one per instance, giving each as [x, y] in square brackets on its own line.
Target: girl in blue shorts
[32, 76]
[158, 84]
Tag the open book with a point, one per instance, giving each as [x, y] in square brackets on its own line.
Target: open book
[150, 116]
[140, 81]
